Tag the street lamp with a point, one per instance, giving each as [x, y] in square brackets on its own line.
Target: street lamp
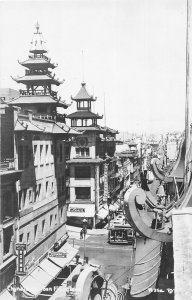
[108, 204]
[84, 229]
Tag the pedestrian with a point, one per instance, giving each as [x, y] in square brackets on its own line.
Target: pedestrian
[81, 234]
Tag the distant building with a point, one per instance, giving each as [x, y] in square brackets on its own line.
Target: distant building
[92, 165]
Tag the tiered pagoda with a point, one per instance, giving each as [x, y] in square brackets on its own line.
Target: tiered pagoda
[84, 117]
[38, 79]
[91, 154]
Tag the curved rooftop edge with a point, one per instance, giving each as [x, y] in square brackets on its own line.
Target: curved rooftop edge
[146, 267]
[157, 171]
[179, 168]
[137, 195]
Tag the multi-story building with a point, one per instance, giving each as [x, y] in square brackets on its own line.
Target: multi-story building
[8, 200]
[91, 163]
[37, 142]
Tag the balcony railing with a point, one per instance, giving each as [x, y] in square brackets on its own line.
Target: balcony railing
[38, 93]
[38, 72]
[52, 117]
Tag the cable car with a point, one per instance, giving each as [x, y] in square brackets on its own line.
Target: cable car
[121, 234]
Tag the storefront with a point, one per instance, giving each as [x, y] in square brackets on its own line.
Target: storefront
[77, 212]
[47, 270]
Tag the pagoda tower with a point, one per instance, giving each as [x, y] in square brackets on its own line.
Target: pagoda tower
[38, 79]
[84, 117]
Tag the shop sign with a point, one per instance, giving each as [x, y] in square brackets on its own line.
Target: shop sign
[58, 254]
[77, 209]
[20, 248]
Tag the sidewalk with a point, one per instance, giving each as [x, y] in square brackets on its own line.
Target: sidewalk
[89, 231]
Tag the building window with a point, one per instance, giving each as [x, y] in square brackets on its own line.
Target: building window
[61, 212]
[24, 197]
[8, 236]
[28, 238]
[43, 227]
[51, 219]
[83, 193]
[21, 238]
[83, 152]
[55, 219]
[47, 154]
[7, 206]
[47, 183]
[37, 191]
[35, 155]
[83, 172]
[30, 196]
[20, 200]
[52, 187]
[35, 233]
[41, 154]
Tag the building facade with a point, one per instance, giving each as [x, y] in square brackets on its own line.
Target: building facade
[37, 144]
[91, 164]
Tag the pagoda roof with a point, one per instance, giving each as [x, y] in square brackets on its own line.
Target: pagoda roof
[84, 114]
[36, 99]
[88, 128]
[39, 78]
[43, 126]
[83, 94]
[37, 62]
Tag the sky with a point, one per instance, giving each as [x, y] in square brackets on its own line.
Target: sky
[132, 53]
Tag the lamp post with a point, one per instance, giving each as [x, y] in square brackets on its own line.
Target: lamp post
[84, 233]
[108, 204]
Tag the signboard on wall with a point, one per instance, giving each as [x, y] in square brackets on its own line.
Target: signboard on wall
[105, 182]
[77, 209]
[20, 249]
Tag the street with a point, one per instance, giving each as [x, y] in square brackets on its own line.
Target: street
[114, 259]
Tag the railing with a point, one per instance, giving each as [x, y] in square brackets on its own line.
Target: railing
[38, 72]
[39, 55]
[38, 93]
[52, 117]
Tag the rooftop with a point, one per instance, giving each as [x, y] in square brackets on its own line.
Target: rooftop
[38, 99]
[38, 77]
[84, 114]
[83, 94]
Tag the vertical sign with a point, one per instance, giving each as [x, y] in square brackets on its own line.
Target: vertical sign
[20, 248]
[105, 182]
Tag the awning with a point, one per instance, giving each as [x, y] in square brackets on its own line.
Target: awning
[48, 270]
[81, 210]
[6, 296]
[103, 213]
[63, 261]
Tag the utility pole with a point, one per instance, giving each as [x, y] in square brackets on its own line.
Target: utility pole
[187, 100]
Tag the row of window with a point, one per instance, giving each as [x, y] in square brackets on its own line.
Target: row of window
[38, 193]
[40, 229]
[42, 154]
[82, 151]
